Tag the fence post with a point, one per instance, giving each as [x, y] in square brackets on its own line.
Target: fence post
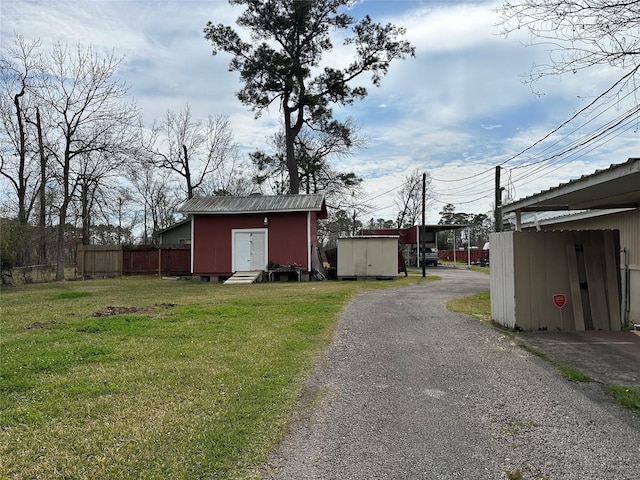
[81, 262]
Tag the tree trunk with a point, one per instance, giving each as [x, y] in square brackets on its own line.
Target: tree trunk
[60, 243]
[187, 172]
[64, 206]
[22, 183]
[86, 213]
[42, 223]
[292, 164]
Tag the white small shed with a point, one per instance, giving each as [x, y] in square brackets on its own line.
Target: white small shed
[374, 256]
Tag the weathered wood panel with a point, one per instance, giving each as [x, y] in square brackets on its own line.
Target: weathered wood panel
[113, 261]
[99, 261]
[574, 282]
[529, 268]
[627, 222]
[613, 278]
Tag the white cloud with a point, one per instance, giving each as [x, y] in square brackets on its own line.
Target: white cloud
[458, 109]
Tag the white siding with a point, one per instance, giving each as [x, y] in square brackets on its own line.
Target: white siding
[503, 304]
[368, 257]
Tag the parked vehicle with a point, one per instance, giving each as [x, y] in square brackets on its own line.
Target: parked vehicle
[484, 261]
[431, 257]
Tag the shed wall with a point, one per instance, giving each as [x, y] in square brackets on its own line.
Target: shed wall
[502, 284]
[628, 223]
[178, 235]
[368, 257]
[529, 268]
[212, 240]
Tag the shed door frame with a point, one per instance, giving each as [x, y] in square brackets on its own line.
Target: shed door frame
[257, 262]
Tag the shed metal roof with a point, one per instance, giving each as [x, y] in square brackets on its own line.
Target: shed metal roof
[232, 205]
[615, 187]
[175, 225]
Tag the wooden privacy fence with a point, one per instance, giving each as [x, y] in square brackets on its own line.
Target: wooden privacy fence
[114, 261]
[477, 255]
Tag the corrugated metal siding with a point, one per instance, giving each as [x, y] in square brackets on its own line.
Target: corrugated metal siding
[253, 204]
[627, 222]
[627, 171]
[503, 297]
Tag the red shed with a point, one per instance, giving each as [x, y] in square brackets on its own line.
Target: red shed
[232, 234]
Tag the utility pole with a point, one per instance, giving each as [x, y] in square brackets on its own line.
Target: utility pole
[422, 232]
[498, 202]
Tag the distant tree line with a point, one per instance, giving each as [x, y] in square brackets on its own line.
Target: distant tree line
[82, 168]
[476, 234]
[78, 166]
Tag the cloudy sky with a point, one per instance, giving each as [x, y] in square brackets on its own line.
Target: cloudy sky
[456, 110]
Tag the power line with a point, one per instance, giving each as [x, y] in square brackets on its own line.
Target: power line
[617, 126]
[621, 80]
[568, 135]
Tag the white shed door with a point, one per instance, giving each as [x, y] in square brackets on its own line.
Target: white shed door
[250, 250]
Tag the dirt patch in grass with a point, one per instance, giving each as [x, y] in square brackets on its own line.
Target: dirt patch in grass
[41, 325]
[111, 311]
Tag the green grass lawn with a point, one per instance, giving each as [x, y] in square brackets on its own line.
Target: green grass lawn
[156, 379]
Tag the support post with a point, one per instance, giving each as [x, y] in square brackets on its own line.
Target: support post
[468, 247]
[422, 233]
[498, 201]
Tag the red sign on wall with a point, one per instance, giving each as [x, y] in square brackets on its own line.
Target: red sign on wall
[559, 300]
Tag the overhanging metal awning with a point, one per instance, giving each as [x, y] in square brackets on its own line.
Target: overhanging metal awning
[616, 187]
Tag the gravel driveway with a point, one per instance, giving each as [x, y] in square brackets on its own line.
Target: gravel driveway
[410, 391]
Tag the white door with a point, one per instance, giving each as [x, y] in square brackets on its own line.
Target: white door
[249, 250]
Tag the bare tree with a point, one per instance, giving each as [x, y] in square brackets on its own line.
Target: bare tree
[23, 162]
[19, 74]
[232, 178]
[409, 200]
[88, 113]
[98, 174]
[109, 212]
[159, 196]
[580, 34]
[194, 150]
